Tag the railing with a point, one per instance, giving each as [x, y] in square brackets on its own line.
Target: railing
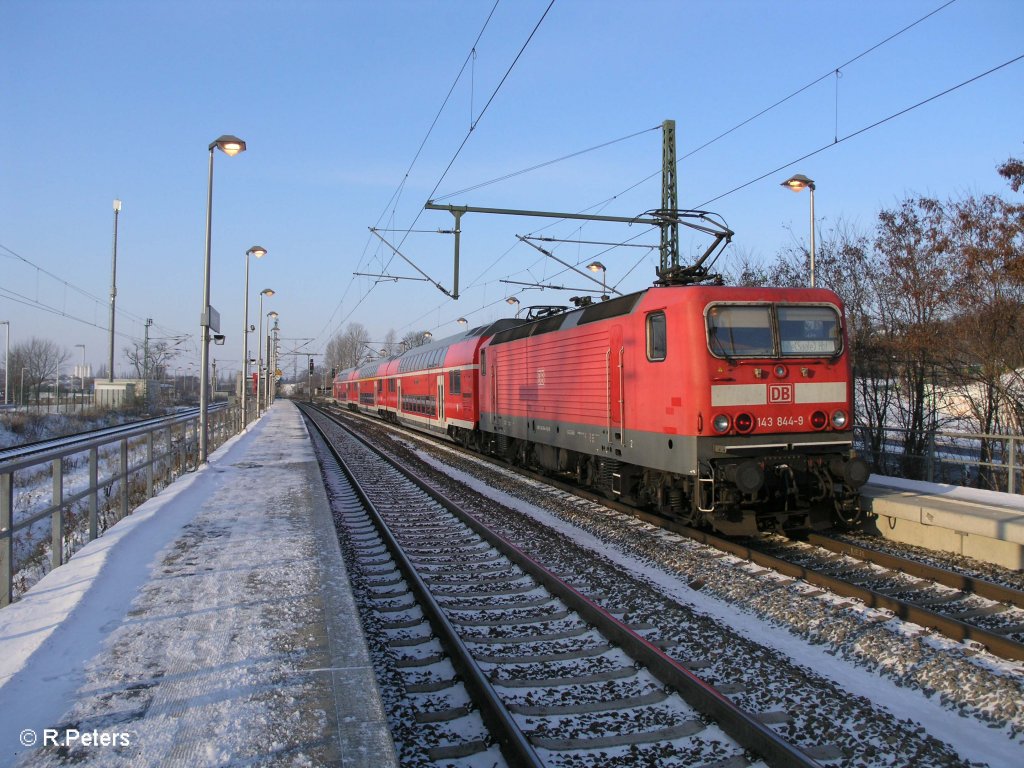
[141, 462]
[994, 462]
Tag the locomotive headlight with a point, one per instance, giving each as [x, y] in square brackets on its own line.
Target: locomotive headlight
[839, 419]
[781, 371]
[721, 423]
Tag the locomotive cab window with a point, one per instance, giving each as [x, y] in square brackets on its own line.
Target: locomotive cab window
[809, 331]
[740, 331]
[793, 330]
[657, 338]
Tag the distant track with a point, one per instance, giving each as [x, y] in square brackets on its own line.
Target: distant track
[25, 450]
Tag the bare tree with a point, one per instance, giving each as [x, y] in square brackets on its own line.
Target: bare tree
[160, 353]
[414, 339]
[34, 362]
[985, 362]
[916, 286]
[392, 346]
[347, 349]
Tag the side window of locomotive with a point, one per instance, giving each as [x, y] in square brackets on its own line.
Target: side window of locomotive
[740, 331]
[483, 362]
[657, 338]
[809, 331]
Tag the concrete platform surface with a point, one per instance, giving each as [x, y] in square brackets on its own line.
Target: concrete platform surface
[214, 626]
[985, 525]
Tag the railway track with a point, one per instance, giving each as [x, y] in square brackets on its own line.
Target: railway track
[476, 626]
[959, 606]
[829, 722]
[26, 450]
[842, 727]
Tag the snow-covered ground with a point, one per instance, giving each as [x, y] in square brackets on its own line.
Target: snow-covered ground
[192, 632]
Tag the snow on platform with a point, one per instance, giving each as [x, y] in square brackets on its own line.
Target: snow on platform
[215, 625]
[985, 525]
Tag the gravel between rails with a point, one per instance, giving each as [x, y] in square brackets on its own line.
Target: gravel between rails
[974, 685]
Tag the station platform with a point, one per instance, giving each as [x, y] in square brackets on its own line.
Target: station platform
[985, 525]
[213, 626]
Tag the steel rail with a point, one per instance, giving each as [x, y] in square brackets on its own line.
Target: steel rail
[963, 582]
[69, 442]
[749, 732]
[995, 643]
[955, 629]
[54, 453]
[516, 747]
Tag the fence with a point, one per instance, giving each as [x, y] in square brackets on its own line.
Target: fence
[168, 449]
[994, 462]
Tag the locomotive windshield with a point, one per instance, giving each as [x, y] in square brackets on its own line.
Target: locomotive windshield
[768, 330]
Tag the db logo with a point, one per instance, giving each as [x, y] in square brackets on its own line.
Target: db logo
[780, 393]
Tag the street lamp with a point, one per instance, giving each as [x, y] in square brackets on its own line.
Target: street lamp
[259, 252]
[82, 372]
[259, 362]
[230, 146]
[7, 363]
[597, 266]
[271, 365]
[113, 291]
[798, 183]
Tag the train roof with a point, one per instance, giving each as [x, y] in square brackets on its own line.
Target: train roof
[433, 355]
[429, 355]
[622, 305]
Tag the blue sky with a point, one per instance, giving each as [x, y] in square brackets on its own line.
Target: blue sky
[105, 99]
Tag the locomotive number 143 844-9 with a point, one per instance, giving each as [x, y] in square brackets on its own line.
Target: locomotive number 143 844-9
[769, 422]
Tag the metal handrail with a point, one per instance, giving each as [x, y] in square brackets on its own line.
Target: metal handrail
[224, 423]
[941, 452]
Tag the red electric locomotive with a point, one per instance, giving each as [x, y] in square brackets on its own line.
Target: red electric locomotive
[721, 406]
[716, 405]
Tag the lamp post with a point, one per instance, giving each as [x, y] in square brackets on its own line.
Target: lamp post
[270, 359]
[259, 361]
[7, 363]
[113, 291]
[230, 146]
[259, 252]
[82, 372]
[597, 266]
[798, 183]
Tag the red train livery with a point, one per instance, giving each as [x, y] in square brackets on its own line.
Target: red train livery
[721, 406]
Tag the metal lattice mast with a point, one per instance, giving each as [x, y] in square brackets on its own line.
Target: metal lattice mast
[669, 213]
